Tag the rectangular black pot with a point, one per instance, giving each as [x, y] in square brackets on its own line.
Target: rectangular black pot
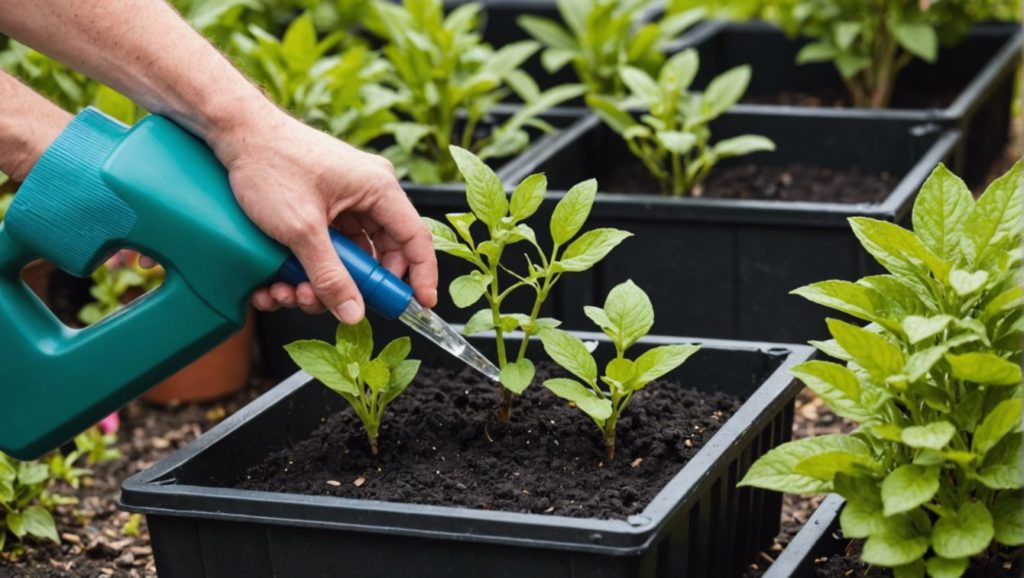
[818, 538]
[981, 72]
[699, 525]
[722, 267]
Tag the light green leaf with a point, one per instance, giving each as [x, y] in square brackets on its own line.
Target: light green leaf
[572, 211]
[549, 32]
[1003, 419]
[482, 320]
[590, 248]
[876, 354]
[1001, 469]
[376, 374]
[446, 241]
[900, 251]
[620, 372]
[815, 52]
[658, 361]
[517, 375]
[826, 465]
[401, 376]
[617, 119]
[845, 33]
[909, 486]
[408, 134]
[776, 470]
[396, 352]
[965, 283]
[679, 71]
[918, 38]
[933, 436]
[510, 57]
[726, 90]
[939, 567]
[849, 65]
[742, 145]
[1008, 519]
[596, 407]
[676, 142]
[484, 191]
[299, 45]
[321, 360]
[901, 540]
[467, 289]
[527, 197]
[37, 522]
[862, 514]
[940, 210]
[984, 368]
[568, 351]
[836, 385]
[641, 84]
[965, 533]
[354, 342]
[850, 298]
[630, 313]
[996, 216]
[920, 328]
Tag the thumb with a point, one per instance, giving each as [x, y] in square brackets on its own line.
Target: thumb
[330, 280]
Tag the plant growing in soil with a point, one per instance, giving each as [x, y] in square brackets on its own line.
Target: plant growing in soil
[870, 44]
[116, 283]
[449, 81]
[369, 384]
[600, 37]
[340, 93]
[493, 278]
[934, 380]
[627, 316]
[672, 136]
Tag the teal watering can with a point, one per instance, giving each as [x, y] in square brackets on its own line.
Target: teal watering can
[155, 188]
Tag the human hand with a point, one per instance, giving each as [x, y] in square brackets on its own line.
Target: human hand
[294, 181]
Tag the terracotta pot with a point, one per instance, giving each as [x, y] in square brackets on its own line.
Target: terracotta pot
[218, 374]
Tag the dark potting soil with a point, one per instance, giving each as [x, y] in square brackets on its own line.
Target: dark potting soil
[441, 444]
[793, 182]
[848, 564]
[837, 97]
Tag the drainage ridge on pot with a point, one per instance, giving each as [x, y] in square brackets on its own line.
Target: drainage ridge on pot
[699, 523]
[816, 539]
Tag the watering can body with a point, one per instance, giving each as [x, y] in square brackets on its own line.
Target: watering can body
[102, 187]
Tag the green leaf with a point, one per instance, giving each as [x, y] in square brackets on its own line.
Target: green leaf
[299, 45]
[825, 466]
[641, 84]
[549, 32]
[568, 351]
[726, 90]
[850, 298]
[940, 210]
[31, 473]
[396, 352]
[933, 436]
[321, 360]
[862, 514]
[37, 522]
[658, 361]
[572, 211]
[920, 328]
[902, 539]
[620, 372]
[963, 534]
[1001, 469]
[836, 385]
[742, 145]
[354, 342]
[909, 486]
[527, 196]
[845, 33]
[939, 567]
[900, 251]
[996, 216]
[408, 134]
[815, 52]
[517, 376]
[510, 57]
[482, 320]
[776, 470]
[877, 355]
[965, 283]
[596, 407]
[1008, 519]
[849, 65]
[676, 142]
[590, 248]
[630, 314]
[401, 377]
[918, 39]
[14, 524]
[484, 191]
[679, 71]
[984, 368]
[617, 119]
[445, 240]
[1003, 419]
[376, 374]
[468, 289]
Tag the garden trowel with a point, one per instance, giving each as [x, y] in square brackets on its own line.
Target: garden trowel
[157, 189]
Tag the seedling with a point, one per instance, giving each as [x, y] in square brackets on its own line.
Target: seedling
[934, 380]
[494, 280]
[449, 81]
[346, 368]
[600, 37]
[626, 318]
[672, 136]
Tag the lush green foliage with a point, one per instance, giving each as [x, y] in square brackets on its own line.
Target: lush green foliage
[29, 491]
[449, 81]
[493, 278]
[934, 380]
[672, 136]
[113, 284]
[627, 317]
[871, 43]
[600, 37]
[349, 369]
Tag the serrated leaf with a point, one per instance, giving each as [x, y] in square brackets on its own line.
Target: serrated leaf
[517, 375]
[585, 399]
[984, 368]
[996, 216]
[776, 470]
[321, 360]
[590, 248]
[484, 191]
[568, 351]
[932, 436]
[940, 211]
[527, 196]
[965, 533]
[572, 211]
[909, 486]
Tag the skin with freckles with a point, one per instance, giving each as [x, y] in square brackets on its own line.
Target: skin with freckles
[291, 180]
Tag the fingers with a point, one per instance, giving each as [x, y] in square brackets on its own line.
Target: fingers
[403, 226]
[284, 295]
[328, 276]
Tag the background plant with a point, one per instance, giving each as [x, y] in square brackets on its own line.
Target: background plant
[933, 380]
[672, 136]
[449, 81]
[369, 384]
[116, 283]
[493, 278]
[600, 37]
[626, 318]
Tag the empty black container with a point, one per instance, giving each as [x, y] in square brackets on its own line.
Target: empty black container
[724, 267]
[699, 525]
[818, 538]
[977, 78]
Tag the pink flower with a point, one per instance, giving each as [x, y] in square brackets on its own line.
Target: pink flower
[111, 423]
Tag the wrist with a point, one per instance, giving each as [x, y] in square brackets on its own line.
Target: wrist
[232, 123]
[28, 138]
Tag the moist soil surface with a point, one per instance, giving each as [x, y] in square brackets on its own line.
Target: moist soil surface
[792, 182]
[442, 444]
[848, 565]
[838, 97]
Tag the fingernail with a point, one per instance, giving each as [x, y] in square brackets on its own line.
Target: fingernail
[348, 312]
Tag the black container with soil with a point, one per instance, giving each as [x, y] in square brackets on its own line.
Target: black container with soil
[820, 551]
[277, 328]
[723, 264]
[970, 88]
[477, 514]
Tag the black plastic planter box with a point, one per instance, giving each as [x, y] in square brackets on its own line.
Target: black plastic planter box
[818, 538]
[723, 267]
[978, 74]
[699, 525]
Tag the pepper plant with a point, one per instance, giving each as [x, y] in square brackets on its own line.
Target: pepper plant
[626, 318]
[672, 136]
[493, 277]
[871, 43]
[449, 81]
[600, 37]
[933, 474]
[369, 384]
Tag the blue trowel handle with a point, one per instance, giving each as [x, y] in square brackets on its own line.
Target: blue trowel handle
[384, 293]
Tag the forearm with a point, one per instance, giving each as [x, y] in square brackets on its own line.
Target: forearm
[145, 50]
[28, 124]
